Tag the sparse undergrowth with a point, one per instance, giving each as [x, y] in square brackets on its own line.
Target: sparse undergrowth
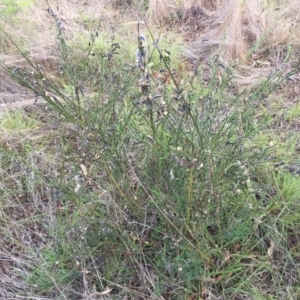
[149, 182]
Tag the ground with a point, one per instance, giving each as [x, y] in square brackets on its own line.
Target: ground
[171, 177]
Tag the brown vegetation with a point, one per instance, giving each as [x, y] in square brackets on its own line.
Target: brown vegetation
[233, 28]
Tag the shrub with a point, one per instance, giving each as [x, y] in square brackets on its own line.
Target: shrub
[153, 186]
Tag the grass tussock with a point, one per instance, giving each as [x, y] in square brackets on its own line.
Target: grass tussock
[234, 29]
[145, 178]
[176, 10]
[253, 26]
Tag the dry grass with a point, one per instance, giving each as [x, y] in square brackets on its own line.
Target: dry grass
[232, 29]
[35, 35]
[38, 41]
[235, 27]
[162, 11]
